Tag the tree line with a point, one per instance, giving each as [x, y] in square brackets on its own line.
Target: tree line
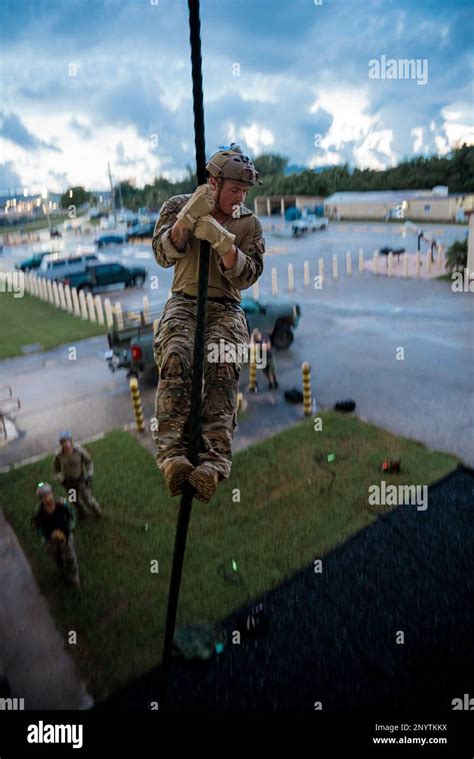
[456, 170]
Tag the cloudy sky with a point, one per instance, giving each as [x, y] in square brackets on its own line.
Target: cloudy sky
[84, 82]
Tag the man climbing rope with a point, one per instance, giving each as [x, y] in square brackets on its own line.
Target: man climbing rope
[214, 212]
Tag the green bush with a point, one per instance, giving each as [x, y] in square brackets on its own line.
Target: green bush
[456, 257]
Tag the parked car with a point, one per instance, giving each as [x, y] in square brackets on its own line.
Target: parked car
[58, 268]
[109, 240]
[98, 274]
[54, 232]
[131, 347]
[140, 231]
[33, 262]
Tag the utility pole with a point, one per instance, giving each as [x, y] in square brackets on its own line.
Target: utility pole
[112, 195]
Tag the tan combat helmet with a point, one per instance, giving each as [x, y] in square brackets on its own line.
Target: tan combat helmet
[231, 163]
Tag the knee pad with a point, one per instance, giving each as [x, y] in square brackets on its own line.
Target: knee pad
[227, 371]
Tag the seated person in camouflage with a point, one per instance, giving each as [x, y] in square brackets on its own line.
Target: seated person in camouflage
[54, 519]
[214, 212]
[74, 469]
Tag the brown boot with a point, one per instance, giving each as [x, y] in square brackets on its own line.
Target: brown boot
[204, 480]
[175, 472]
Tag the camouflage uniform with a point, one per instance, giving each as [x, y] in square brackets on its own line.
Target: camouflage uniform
[62, 551]
[174, 336]
[69, 470]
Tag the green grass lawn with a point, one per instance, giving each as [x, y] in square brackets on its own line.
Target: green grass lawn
[29, 320]
[288, 515]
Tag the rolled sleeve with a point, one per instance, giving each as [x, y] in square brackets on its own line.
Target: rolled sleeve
[165, 253]
[172, 253]
[237, 268]
[249, 262]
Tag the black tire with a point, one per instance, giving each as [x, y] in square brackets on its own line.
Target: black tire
[85, 289]
[322, 227]
[282, 337]
[139, 280]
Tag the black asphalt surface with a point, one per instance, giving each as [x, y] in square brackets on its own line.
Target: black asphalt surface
[332, 635]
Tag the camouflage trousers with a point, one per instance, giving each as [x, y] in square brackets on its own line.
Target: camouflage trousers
[64, 554]
[173, 349]
[84, 497]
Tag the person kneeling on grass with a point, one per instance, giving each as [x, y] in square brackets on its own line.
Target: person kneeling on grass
[54, 519]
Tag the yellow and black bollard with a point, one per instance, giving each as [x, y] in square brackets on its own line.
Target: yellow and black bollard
[137, 404]
[307, 402]
[252, 370]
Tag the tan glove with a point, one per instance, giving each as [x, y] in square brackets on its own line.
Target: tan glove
[200, 203]
[207, 228]
[58, 535]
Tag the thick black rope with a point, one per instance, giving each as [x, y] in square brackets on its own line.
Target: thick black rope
[198, 358]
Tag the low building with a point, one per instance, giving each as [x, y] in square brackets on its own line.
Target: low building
[269, 205]
[420, 205]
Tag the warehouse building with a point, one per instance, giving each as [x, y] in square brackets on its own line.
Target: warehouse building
[420, 205]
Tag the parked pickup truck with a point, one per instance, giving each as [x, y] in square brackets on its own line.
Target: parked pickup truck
[131, 343]
[100, 274]
[308, 223]
[34, 262]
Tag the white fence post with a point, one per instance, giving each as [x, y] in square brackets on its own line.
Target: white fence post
[256, 291]
[321, 269]
[67, 295]
[335, 269]
[291, 278]
[390, 264]
[119, 315]
[440, 257]
[50, 291]
[146, 309]
[75, 302]
[428, 260]
[56, 295]
[109, 317]
[405, 265]
[349, 263]
[62, 298]
[83, 304]
[306, 273]
[361, 260]
[274, 281]
[90, 307]
[376, 258]
[417, 264]
[98, 308]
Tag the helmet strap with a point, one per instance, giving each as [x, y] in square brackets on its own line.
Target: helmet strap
[220, 182]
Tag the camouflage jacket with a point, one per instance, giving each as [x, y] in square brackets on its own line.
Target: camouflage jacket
[71, 466]
[223, 282]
